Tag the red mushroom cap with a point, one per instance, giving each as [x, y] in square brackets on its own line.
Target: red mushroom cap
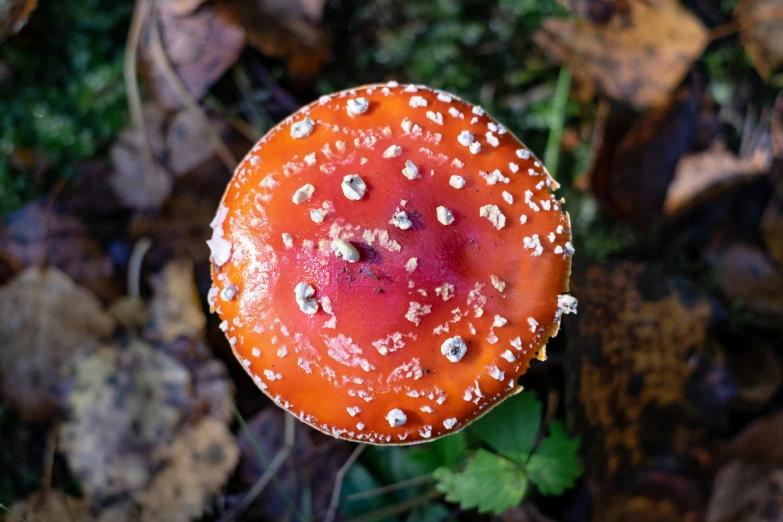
[387, 261]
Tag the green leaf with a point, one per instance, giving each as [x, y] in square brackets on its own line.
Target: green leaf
[512, 426]
[554, 466]
[489, 482]
[447, 451]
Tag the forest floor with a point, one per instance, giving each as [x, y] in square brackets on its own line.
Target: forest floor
[662, 121]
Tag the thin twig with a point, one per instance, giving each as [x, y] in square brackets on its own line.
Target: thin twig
[244, 128]
[260, 454]
[269, 473]
[338, 482]
[17, 517]
[48, 230]
[48, 461]
[736, 25]
[415, 481]
[191, 104]
[140, 13]
[261, 120]
[557, 118]
[135, 262]
[402, 507]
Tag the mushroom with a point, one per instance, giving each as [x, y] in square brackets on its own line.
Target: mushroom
[407, 252]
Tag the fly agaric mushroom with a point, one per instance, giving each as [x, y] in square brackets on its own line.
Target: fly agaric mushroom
[395, 259]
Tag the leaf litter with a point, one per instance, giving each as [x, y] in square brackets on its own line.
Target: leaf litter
[651, 382]
[45, 320]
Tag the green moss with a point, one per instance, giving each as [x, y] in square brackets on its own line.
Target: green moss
[65, 100]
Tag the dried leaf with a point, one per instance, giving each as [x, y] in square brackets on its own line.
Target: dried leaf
[71, 246]
[635, 157]
[757, 373]
[202, 459]
[200, 45]
[188, 141]
[745, 273]
[175, 311]
[54, 506]
[749, 486]
[763, 34]
[624, 508]
[286, 29]
[213, 390]
[747, 492]
[640, 59]
[180, 7]
[702, 174]
[129, 311]
[137, 184]
[14, 15]
[45, 318]
[598, 11]
[631, 352]
[125, 407]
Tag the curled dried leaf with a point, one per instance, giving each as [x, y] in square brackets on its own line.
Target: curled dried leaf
[703, 174]
[762, 36]
[747, 274]
[640, 59]
[52, 505]
[200, 45]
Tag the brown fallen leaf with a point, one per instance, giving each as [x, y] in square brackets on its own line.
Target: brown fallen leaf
[634, 352]
[135, 184]
[201, 46]
[640, 508]
[286, 29]
[50, 507]
[745, 273]
[640, 59]
[181, 7]
[45, 319]
[14, 15]
[177, 325]
[749, 485]
[635, 157]
[213, 390]
[703, 174]
[747, 492]
[188, 143]
[202, 459]
[757, 374]
[762, 21]
[71, 246]
[125, 406]
[175, 311]
[598, 11]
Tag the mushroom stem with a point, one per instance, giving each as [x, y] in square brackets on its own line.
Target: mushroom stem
[338, 482]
